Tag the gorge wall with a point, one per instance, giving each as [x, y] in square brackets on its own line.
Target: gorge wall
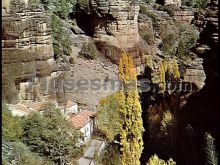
[201, 110]
[26, 47]
[113, 23]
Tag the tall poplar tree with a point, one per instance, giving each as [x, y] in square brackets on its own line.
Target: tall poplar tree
[132, 125]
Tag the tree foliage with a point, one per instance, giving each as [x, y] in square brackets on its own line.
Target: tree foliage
[89, 50]
[120, 114]
[111, 155]
[51, 136]
[126, 69]
[155, 160]
[19, 154]
[108, 115]
[11, 126]
[132, 126]
[201, 4]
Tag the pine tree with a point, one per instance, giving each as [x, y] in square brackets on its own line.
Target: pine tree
[132, 126]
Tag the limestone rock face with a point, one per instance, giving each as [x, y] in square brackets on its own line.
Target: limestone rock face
[195, 73]
[207, 46]
[184, 15]
[202, 108]
[118, 25]
[26, 45]
[175, 2]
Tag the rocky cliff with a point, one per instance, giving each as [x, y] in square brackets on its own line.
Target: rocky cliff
[201, 110]
[26, 46]
[113, 23]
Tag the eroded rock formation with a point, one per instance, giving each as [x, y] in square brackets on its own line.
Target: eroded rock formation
[175, 2]
[114, 24]
[201, 110]
[26, 46]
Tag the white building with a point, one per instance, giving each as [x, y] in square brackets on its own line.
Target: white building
[70, 107]
[85, 122]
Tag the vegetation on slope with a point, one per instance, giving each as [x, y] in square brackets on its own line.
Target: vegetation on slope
[126, 107]
[48, 135]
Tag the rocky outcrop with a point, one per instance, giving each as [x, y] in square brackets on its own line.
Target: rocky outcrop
[183, 15]
[201, 110]
[26, 45]
[195, 73]
[114, 22]
[173, 2]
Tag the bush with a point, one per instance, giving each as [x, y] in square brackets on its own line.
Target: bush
[111, 155]
[170, 9]
[155, 160]
[83, 4]
[89, 50]
[51, 136]
[149, 39]
[168, 45]
[11, 126]
[201, 4]
[188, 36]
[20, 154]
[61, 41]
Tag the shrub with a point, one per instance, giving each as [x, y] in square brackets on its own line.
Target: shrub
[188, 36]
[11, 126]
[168, 45]
[149, 39]
[167, 122]
[61, 41]
[111, 155]
[20, 154]
[170, 9]
[155, 160]
[51, 136]
[201, 4]
[89, 50]
[83, 3]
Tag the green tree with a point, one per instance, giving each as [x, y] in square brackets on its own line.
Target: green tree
[11, 126]
[20, 154]
[132, 126]
[51, 136]
[110, 155]
[108, 116]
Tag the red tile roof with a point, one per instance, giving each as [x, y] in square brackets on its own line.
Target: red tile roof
[70, 103]
[81, 119]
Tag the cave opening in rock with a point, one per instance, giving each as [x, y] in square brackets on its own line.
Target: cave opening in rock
[87, 22]
[90, 22]
[160, 2]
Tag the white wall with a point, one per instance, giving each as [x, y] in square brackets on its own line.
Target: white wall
[72, 109]
[87, 130]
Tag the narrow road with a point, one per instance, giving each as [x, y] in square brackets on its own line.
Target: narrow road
[95, 146]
